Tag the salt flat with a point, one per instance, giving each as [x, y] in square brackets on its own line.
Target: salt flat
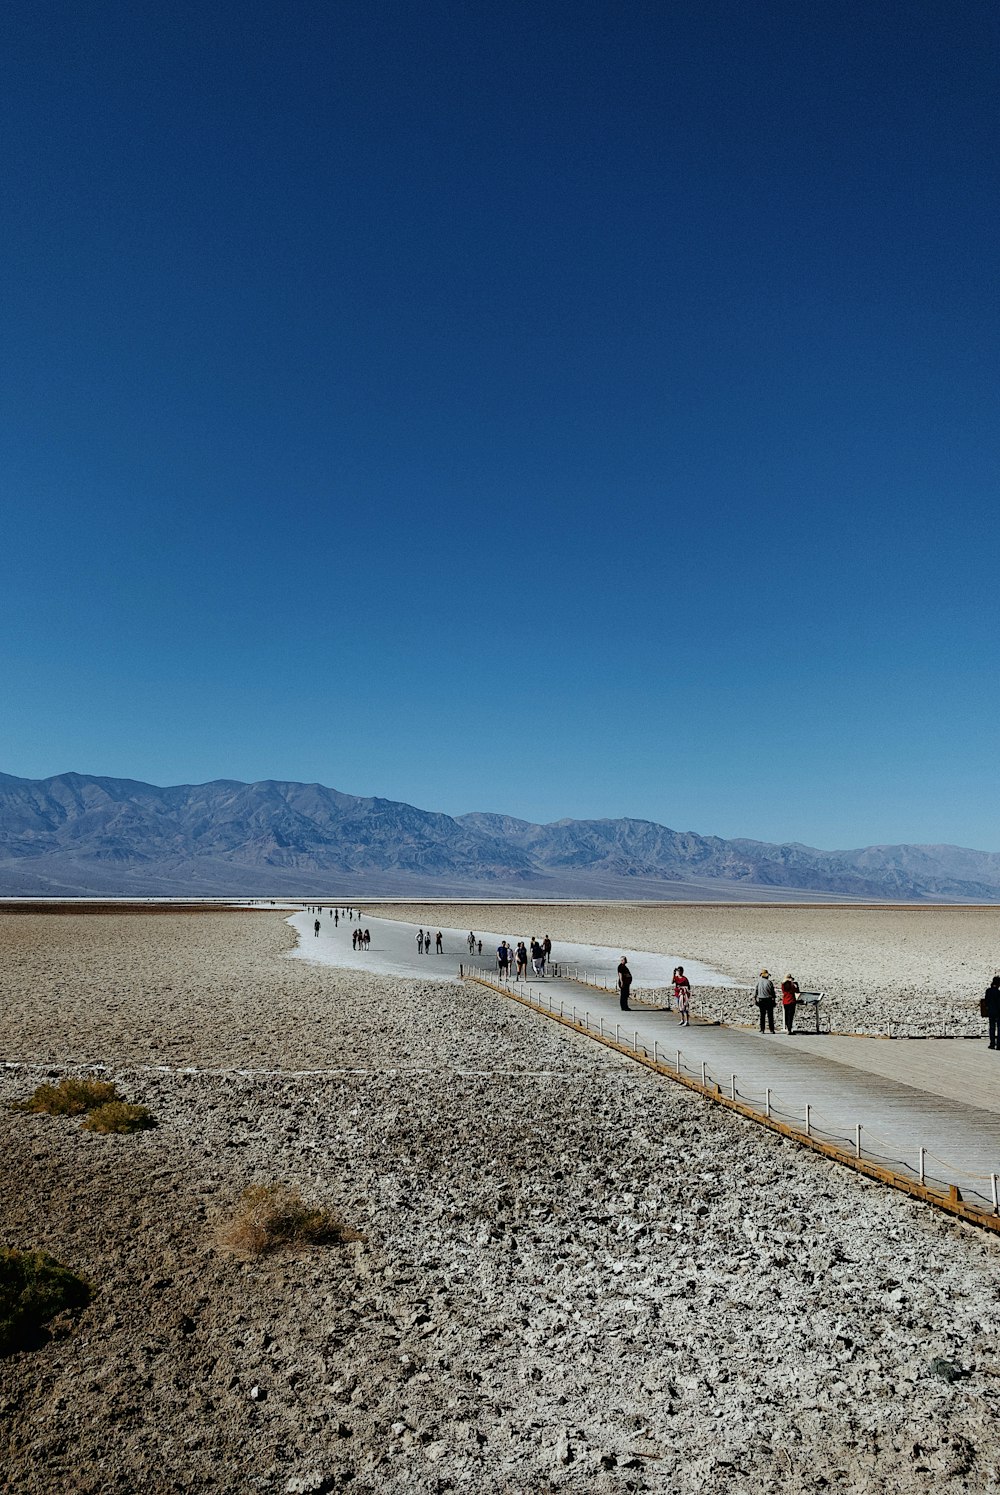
[921, 969]
[574, 1276]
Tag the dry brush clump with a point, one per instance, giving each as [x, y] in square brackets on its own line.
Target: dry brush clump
[71, 1097]
[118, 1116]
[35, 1289]
[97, 1101]
[275, 1217]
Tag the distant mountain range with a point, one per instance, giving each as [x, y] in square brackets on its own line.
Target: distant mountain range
[74, 835]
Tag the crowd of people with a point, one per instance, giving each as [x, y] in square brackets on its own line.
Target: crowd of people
[514, 958]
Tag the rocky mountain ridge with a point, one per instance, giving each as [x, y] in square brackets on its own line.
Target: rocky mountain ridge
[81, 834]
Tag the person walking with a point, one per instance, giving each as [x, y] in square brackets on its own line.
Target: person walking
[537, 957]
[789, 997]
[472, 942]
[367, 939]
[479, 947]
[439, 943]
[683, 995]
[336, 918]
[503, 958]
[546, 953]
[316, 927]
[624, 983]
[420, 942]
[991, 1011]
[765, 999]
[354, 939]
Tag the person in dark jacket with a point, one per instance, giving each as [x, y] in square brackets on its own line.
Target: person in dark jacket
[991, 1001]
[624, 983]
[765, 998]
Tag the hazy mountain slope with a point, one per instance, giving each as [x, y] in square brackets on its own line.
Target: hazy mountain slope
[76, 833]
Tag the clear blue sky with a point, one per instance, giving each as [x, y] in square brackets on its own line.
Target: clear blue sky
[569, 409]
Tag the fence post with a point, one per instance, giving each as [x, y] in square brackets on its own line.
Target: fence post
[996, 1194]
[767, 1102]
[618, 1032]
[602, 1027]
[656, 1052]
[635, 1040]
[678, 1061]
[732, 1087]
[921, 1167]
[857, 1140]
[704, 1074]
[808, 1121]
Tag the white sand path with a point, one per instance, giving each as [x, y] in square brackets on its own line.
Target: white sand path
[393, 952]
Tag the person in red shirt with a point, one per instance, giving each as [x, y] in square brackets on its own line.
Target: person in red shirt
[681, 986]
[789, 997]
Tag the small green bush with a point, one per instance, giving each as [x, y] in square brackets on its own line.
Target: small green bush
[118, 1116]
[71, 1097]
[34, 1289]
[272, 1217]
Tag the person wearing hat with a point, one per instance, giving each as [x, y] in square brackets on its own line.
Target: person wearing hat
[765, 999]
[789, 997]
[624, 983]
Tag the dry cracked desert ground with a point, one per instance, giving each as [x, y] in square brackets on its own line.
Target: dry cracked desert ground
[573, 1275]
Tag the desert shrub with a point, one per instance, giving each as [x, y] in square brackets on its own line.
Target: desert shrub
[274, 1217]
[34, 1289]
[71, 1097]
[118, 1116]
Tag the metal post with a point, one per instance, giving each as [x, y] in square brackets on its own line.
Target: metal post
[767, 1102]
[635, 1040]
[732, 1087]
[996, 1194]
[857, 1140]
[678, 1061]
[808, 1120]
[704, 1074]
[586, 1018]
[923, 1150]
[656, 1052]
[618, 1032]
[602, 1027]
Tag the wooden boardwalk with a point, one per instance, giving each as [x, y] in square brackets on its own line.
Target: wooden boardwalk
[939, 1095]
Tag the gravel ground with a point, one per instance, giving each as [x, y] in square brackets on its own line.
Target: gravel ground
[921, 969]
[573, 1275]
